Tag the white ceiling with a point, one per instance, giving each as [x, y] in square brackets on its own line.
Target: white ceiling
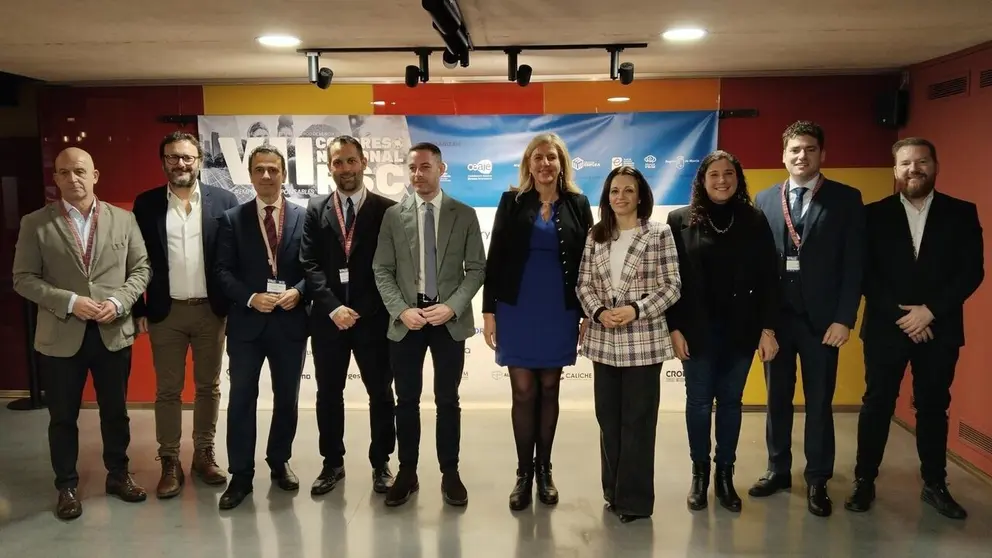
[210, 41]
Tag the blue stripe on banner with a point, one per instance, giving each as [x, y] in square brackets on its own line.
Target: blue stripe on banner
[483, 153]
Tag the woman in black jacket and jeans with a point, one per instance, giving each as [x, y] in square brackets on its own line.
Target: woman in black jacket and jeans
[729, 267]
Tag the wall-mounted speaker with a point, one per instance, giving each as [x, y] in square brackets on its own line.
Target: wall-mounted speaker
[892, 109]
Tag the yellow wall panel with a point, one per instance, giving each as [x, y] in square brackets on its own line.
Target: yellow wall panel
[875, 184]
[287, 99]
[645, 95]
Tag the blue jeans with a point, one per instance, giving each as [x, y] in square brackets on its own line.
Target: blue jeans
[719, 374]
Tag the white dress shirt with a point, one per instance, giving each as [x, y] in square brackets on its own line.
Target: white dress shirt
[184, 233]
[357, 198]
[917, 219]
[807, 197]
[436, 203]
[83, 225]
[276, 217]
[618, 255]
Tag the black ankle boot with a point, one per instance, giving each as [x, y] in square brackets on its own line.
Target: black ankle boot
[546, 490]
[725, 492]
[520, 498]
[700, 485]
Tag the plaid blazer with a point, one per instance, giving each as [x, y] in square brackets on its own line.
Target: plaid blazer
[650, 280]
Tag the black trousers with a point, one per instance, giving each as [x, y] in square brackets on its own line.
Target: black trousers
[407, 358]
[627, 402]
[933, 372]
[818, 363]
[245, 358]
[332, 350]
[64, 380]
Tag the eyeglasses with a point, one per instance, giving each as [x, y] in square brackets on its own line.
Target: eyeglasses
[174, 159]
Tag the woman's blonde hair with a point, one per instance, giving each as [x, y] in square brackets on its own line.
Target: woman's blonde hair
[566, 179]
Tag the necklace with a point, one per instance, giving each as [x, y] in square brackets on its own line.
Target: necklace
[718, 229]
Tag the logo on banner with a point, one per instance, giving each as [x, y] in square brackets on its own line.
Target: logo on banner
[579, 163]
[680, 161]
[650, 162]
[484, 168]
[577, 376]
[616, 162]
[674, 376]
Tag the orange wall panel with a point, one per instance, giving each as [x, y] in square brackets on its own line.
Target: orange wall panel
[460, 98]
[645, 96]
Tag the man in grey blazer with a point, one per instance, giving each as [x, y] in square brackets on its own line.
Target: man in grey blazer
[429, 264]
[83, 262]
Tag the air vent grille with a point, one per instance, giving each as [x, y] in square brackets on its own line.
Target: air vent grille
[985, 78]
[948, 88]
[976, 438]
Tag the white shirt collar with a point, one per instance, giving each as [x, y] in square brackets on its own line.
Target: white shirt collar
[926, 201]
[70, 209]
[194, 192]
[436, 202]
[809, 185]
[262, 205]
[356, 197]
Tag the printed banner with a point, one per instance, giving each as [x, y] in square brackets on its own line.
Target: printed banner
[483, 154]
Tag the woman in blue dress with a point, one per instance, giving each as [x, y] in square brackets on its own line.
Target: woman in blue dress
[532, 318]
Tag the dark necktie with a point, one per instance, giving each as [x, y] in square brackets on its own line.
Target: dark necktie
[270, 229]
[796, 213]
[349, 217]
[430, 253]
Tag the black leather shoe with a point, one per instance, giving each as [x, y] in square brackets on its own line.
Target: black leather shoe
[69, 506]
[520, 497]
[453, 490]
[547, 492]
[326, 480]
[700, 485]
[405, 486]
[937, 495]
[285, 478]
[770, 484]
[818, 501]
[235, 494]
[627, 518]
[382, 479]
[725, 492]
[862, 496]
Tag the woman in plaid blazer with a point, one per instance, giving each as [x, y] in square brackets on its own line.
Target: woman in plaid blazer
[628, 278]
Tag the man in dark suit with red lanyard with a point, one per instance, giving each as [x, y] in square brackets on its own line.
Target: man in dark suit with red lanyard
[818, 225]
[925, 258]
[339, 241]
[258, 267]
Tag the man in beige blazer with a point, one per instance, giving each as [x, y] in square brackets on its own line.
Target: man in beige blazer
[83, 262]
[429, 264]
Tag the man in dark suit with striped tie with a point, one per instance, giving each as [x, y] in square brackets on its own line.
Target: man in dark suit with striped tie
[258, 267]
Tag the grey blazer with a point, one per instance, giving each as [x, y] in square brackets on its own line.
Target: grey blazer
[461, 261]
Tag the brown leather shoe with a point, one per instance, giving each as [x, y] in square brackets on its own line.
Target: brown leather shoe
[69, 506]
[205, 466]
[173, 478]
[123, 486]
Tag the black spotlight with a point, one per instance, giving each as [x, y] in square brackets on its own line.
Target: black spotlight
[419, 73]
[521, 74]
[449, 59]
[324, 77]
[626, 73]
[412, 76]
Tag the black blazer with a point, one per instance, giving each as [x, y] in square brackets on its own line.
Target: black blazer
[322, 254]
[150, 210]
[950, 267]
[510, 240]
[243, 269]
[831, 257]
[754, 267]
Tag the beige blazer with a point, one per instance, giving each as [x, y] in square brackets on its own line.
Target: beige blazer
[48, 270]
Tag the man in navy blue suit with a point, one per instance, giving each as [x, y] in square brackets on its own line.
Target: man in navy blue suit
[818, 225]
[183, 307]
[258, 266]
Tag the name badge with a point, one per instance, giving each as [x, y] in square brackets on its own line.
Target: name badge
[792, 263]
[275, 286]
[343, 276]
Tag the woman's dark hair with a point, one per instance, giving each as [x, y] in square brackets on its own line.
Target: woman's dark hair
[699, 203]
[606, 228]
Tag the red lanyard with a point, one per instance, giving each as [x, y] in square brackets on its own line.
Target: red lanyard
[274, 250]
[788, 216]
[88, 253]
[348, 234]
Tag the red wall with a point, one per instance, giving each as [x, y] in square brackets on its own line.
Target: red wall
[960, 128]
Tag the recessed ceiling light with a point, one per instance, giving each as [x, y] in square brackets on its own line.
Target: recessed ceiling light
[379, 103]
[278, 41]
[684, 34]
[618, 99]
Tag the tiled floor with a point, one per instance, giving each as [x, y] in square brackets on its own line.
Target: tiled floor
[352, 521]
